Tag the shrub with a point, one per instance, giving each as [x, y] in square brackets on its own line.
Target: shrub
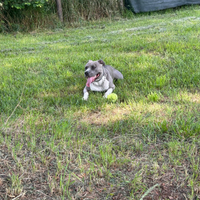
[24, 15]
[27, 15]
[21, 4]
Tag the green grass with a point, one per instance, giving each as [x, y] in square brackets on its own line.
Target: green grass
[54, 144]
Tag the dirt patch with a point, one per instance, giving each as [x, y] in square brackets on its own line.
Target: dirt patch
[103, 117]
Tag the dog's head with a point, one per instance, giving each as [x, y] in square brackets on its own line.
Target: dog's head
[94, 69]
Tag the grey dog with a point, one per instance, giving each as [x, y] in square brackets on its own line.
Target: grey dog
[100, 78]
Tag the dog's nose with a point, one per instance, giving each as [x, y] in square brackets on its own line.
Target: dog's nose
[86, 73]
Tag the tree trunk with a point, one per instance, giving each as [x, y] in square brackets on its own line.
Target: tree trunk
[59, 9]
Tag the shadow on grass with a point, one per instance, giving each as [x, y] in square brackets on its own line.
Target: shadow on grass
[179, 119]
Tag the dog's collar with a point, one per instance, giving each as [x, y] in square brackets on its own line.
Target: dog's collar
[100, 86]
[101, 77]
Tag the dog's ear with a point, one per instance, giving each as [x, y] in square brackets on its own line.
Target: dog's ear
[90, 61]
[101, 62]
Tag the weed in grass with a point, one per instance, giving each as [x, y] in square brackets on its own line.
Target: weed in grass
[137, 146]
[186, 127]
[108, 157]
[191, 184]
[161, 81]
[153, 97]
[175, 149]
[136, 183]
[16, 187]
[163, 126]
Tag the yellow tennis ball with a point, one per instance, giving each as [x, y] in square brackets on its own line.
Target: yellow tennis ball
[112, 97]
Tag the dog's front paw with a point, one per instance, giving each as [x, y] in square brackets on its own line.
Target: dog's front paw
[105, 96]
[85, 96]
[85, 99]
[109, 91]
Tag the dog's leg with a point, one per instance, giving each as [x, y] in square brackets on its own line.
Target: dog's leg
[109, 91]
[111, 88]
[85, 94]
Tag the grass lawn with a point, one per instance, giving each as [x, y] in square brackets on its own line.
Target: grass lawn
[54, 145]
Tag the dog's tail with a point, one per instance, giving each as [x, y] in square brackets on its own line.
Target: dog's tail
[117, 74]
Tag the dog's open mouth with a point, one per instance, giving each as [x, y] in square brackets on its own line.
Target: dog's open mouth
[92, 79]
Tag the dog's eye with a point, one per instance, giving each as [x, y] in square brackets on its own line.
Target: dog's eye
[93, 67]
[86, 68]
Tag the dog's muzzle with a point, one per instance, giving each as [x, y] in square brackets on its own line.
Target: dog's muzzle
[86, 74]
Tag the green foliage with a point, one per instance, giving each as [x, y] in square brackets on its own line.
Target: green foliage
[27, 15]
[79, 10]
[21, 16]
[21, 4]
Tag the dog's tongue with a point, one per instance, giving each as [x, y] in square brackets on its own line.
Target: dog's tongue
[90, 80]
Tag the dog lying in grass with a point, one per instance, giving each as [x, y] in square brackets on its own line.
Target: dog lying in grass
[100, 78]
